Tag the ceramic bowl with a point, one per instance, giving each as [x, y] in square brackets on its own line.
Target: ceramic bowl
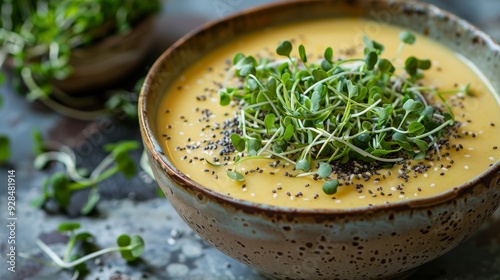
[108, 61]
[364, 243]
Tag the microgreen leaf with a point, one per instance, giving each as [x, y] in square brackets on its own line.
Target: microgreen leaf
[38, 145]
[424, 64]
[412, 106]
[238, 142]
[303, 165]
[253, 146]
[213, 163]
[132, 247]
[416, 128]
[235, 175]
[371, 59]
[385, 66]
[84, 236]
[60, 184]
[238, 57]
[407, 37]
[247, 70]
[288, 132]
[324, 170]
[384, 115]
[421, 144]
[69, 226]
[328, 55]
[224, 98]
[402, 141]
[372, 45]
[427, 113]
[124, 241]
[269, 123]
[284, 48]
[137, 244]
[4, 148]
[330, 187]
[302, 53]
[123, 160]
[411, 65]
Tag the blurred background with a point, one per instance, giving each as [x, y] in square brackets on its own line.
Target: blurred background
[39, 113]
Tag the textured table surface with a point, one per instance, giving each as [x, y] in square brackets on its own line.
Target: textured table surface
[173, 251]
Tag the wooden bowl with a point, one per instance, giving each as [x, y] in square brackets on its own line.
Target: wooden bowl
[363, 243]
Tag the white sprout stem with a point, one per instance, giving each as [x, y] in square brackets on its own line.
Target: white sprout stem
[314, 142]
[270, 141]
[363, 153]
[331, 78]
[273, 63]
[75, 275]
[109, 159]
[390, 128]
[144, 163]
[448, 122]
[360, 151]
[63, 158]
[367, 109]
[281, 157]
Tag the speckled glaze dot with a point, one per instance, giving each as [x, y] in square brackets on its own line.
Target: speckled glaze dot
[380, 241]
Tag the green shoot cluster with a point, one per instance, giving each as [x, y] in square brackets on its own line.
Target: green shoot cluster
[61, 186]
[312, 114]
[38, 37]
[130, 248]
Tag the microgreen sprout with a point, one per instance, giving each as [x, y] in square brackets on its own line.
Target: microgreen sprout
[329, 111]
[61, 185]
[38, 39]
[4, 149]
[4, 142]
[130, 248]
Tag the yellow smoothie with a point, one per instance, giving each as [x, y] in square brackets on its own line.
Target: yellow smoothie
[191, 123]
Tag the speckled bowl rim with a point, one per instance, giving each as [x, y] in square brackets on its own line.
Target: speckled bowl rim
[154, 148]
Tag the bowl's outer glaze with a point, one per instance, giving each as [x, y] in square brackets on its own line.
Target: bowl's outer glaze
[363, 243]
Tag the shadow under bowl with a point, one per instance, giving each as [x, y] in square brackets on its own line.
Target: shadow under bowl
[363, 243]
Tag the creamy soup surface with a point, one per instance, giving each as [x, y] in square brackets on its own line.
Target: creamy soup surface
[190, 121]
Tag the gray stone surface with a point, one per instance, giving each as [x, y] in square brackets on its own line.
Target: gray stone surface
[173, 251]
